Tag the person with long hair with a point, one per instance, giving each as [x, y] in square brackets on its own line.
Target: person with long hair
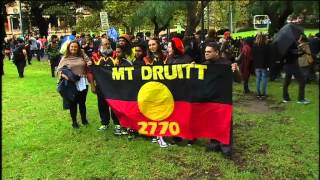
[155, 56]
[260, 58]
[245, 64]
[75, 60]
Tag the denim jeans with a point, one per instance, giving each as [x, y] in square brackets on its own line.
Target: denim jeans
[261, 81]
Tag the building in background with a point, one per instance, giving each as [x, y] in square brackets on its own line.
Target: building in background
[60, 27]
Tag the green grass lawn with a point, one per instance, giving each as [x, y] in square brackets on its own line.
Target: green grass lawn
[271, 140]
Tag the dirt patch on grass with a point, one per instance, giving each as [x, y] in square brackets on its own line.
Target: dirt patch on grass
[263, 149]
[251, 104]
[193, 170]
[239, 160]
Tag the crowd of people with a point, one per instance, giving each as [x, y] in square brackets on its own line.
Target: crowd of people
[246, 57]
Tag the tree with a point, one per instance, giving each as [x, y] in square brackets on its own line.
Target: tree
[160, 13]
[120, 13]
[278, 11]
[194, 12]
[89, 24]
[38, 7]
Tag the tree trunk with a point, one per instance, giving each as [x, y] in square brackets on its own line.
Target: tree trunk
[40, 21]
[194, 11]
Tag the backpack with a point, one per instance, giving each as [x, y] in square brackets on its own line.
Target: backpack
[18, 54]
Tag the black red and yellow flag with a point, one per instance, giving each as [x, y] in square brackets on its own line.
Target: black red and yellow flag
[186, 100]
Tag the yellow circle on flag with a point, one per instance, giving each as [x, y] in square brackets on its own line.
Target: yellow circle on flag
[155, 101]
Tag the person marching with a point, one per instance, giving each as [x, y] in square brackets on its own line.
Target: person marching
[19, 57]
[53, 54]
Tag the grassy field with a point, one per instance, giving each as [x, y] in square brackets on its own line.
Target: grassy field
[254, 32]
[271, 140]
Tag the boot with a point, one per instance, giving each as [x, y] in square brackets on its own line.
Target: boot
[75, 125]
[85, 121]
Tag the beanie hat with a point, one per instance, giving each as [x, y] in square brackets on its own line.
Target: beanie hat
[177, 43]
[126, 37]
[226, 35]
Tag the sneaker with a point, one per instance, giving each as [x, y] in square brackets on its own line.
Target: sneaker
[154, 140]
[124, 131]
[305, 102]
[85, 122]
[262, 97]
[117, 130]
[285, 101]
[131, 134]
[161, 142]
[103, 128]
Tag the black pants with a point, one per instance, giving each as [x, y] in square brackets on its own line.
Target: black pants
[20, 64]
[293, 69]
[104, 111]
[54, 62]
[33, 52]
[275, 70]
[246, 86]
[81, 100]
[306, 71]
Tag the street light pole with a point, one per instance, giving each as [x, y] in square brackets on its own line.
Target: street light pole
[208, 16]
[231, 18]
[20, 17]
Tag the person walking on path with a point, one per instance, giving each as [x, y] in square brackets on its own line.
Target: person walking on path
[53, 54]
[19, 57]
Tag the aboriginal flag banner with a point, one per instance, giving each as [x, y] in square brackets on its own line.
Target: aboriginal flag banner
[185, 100]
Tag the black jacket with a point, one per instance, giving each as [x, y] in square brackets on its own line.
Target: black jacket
[260, 56]
[67, 88]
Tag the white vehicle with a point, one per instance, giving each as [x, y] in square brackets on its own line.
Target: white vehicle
[261, 22]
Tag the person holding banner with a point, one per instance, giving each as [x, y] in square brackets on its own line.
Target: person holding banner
[75, 60]
[128, 51]
[155, 56]
[103, 58]
[140, 50]
[176, 55]
[213, 56]
[176, 52]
